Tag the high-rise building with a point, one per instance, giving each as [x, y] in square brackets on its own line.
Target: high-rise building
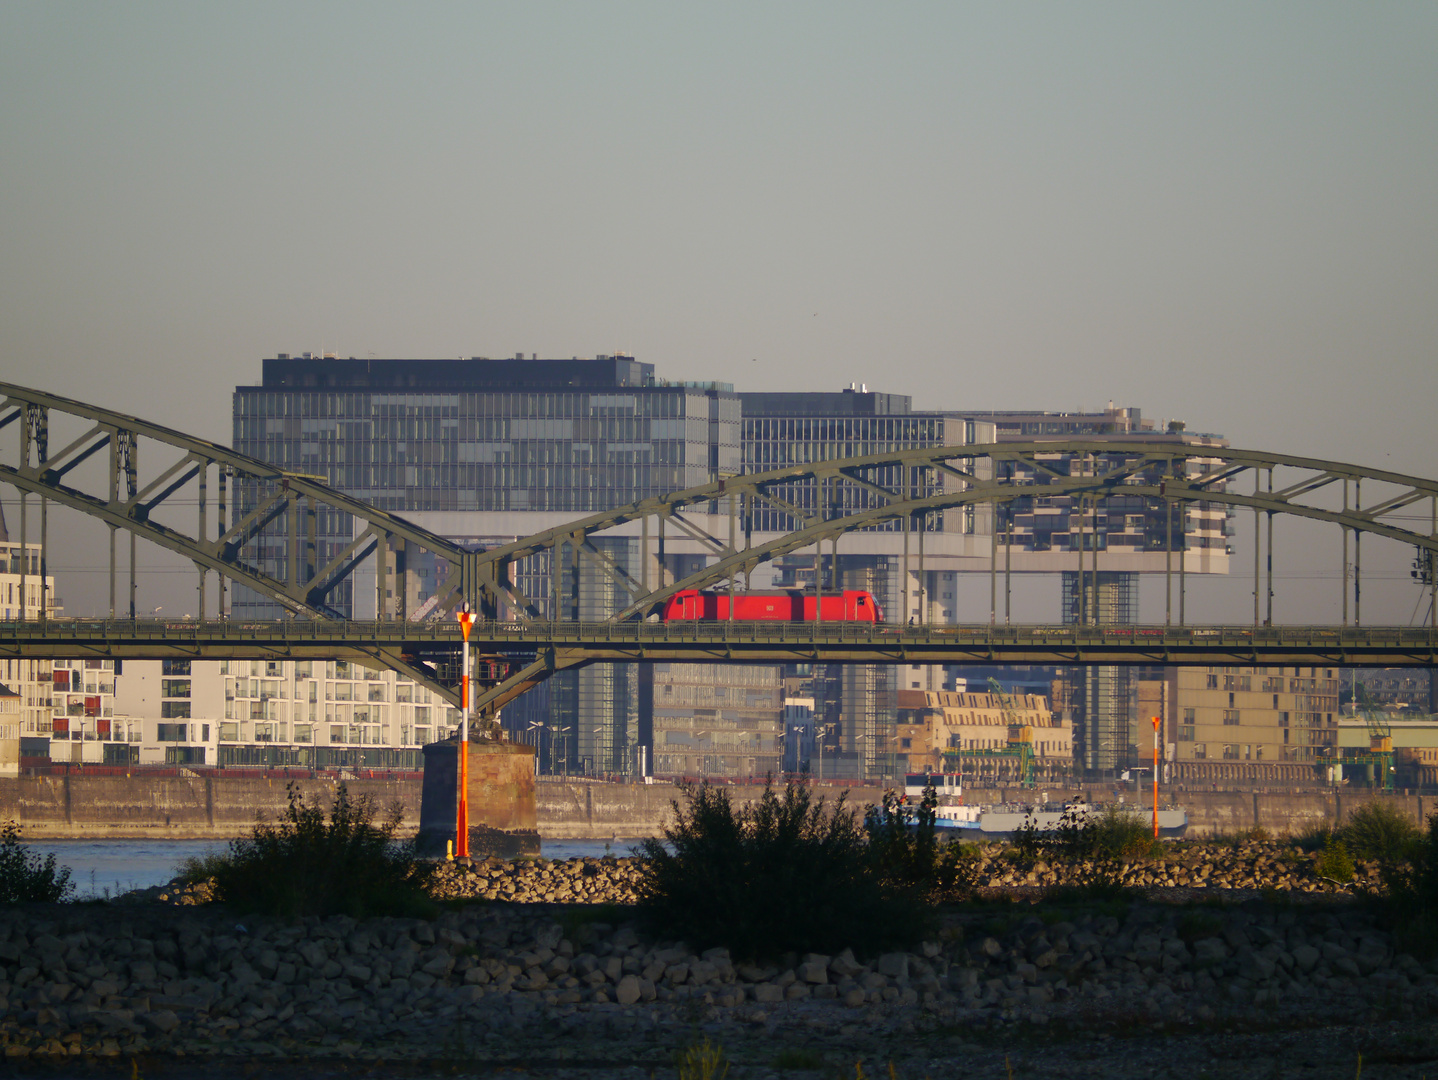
[484, 451]
[726, 726]
[803, 427]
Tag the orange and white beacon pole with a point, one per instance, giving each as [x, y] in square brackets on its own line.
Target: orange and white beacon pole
[461, 823]
[1156, 723]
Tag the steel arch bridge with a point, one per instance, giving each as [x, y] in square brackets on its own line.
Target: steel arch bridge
[255, 525]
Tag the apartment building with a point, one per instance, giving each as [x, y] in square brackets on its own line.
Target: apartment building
[933, 722]
[24, 594]
[9, 732]
[81, 726]
[1237, 722]
[232, 713]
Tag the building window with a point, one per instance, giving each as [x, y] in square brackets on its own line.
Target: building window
[1230, 717]
[174, 687]
[229, 733]
[1185, 733]
[175, 710]
[174, 667]
[304, 733]
[172, 732]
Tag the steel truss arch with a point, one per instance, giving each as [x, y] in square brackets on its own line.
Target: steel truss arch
[994, 473]
[1123, 479]
[849, 494]
[285, 502]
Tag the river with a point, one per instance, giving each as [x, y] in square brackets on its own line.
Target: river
[107, 868]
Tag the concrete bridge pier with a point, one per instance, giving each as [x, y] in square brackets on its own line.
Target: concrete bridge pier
[502, 819]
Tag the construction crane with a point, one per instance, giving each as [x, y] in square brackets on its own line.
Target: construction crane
[1019, 748]
[1378, 759]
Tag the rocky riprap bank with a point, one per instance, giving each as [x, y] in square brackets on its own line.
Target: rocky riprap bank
[1245, 865]
[527, 983]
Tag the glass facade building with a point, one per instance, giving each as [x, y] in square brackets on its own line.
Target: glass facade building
[469, 439]
[572, 436]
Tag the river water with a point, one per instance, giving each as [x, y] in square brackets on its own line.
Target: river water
[106, 868]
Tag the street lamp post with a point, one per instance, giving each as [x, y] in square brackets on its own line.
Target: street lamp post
[823, 732]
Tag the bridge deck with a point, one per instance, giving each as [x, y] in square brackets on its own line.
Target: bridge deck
[727, 642]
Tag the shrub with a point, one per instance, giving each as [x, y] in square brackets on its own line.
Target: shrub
[702, 1061]
[1334, 862]
[779, 875]
[1377, 830]
[906, 852]
[27, 878]
[1118, 833]
[1412, 892]
[1114, 832]
[304, 865]
[1314, 839]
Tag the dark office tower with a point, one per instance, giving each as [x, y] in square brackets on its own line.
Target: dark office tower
[1104, 698]
[483, 451]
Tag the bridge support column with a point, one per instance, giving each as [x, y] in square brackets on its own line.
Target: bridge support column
[501, 796]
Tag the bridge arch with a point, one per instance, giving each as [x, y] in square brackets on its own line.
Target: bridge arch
[257, 504]
[1171, 474]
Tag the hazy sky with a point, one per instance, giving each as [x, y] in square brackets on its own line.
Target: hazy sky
[1226, 213]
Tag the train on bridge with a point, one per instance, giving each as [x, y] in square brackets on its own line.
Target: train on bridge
[851, 605]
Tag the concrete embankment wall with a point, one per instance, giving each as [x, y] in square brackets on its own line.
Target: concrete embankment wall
[172, 807]
[579, 810]
[201, 807]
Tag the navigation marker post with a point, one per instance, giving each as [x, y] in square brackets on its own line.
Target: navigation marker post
[1155, 777]
[461, 825]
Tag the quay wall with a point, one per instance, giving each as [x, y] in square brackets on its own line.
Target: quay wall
[77, 806]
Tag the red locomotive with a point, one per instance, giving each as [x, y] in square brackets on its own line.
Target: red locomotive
[852, 605]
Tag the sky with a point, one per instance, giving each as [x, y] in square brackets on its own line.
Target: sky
[1222, 212]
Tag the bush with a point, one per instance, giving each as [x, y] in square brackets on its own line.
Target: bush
[1377, 830]
[1111, 833]
[1334, 862]
[1314, 839]
[1117, 833]
[305, 866]
[906, 852]
[27, 878]
[780, 875]
[1412, 893]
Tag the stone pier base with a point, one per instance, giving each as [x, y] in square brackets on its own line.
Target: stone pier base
[502, 819]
